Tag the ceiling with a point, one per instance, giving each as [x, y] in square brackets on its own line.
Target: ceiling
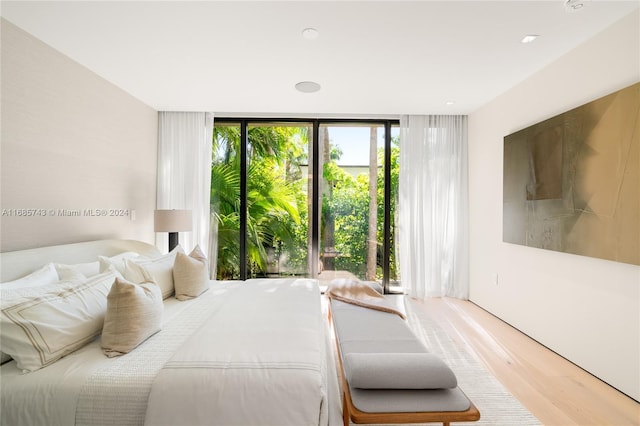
[372, 58]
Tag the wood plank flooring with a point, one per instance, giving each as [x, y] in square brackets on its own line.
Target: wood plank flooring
[553, 389]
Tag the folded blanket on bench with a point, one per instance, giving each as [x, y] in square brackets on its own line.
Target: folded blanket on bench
[358, 293]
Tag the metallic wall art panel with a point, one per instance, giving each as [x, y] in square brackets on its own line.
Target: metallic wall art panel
[572, 183]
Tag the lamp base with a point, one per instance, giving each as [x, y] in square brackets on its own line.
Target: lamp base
[173, 240]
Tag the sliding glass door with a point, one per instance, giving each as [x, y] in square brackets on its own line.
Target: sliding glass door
[277, 200]
[276, 218]
[259, 190]
[358, 196]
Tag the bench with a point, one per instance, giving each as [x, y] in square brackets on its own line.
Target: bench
[388, 375]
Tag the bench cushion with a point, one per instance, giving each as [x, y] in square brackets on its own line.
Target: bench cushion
[409, 400]
[398, 371]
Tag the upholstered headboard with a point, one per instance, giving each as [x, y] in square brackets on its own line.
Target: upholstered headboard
[16, 264]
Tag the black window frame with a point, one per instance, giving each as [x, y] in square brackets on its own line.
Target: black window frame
[315, 124]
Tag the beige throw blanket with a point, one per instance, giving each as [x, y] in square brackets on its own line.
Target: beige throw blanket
[360, 294]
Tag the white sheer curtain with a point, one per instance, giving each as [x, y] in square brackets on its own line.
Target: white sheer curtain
[433, 206]
[184, 173]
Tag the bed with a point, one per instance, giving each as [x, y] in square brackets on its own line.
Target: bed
[244, 353]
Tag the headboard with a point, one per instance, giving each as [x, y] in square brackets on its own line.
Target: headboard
[16, 264]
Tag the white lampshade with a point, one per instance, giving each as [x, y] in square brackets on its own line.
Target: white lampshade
[172, 220]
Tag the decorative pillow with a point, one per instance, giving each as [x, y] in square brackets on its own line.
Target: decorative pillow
[87, 269]
[134, 313]
[37, 331]
[160, 269]
[43, 276]
[116, 261]
[191, 274]
[398, 371]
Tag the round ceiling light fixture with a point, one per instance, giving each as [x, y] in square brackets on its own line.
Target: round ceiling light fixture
[307, 87]
[310, 33]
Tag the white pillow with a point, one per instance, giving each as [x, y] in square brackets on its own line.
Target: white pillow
[160, 269]
[37, 331]
[191, 274]
[68, 272]
[43, 276]
[116, 261]
[134, 313]
[87, 269]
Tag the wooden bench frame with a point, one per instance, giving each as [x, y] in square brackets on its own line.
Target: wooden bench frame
[351, 413]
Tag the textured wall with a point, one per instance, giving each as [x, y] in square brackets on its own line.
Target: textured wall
[77, 153]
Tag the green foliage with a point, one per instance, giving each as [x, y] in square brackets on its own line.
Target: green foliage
[350, 205]
[395, 182]
[274, 196]
[277, 209]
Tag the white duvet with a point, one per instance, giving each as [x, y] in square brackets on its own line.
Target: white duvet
[258, 360]
[242, 353]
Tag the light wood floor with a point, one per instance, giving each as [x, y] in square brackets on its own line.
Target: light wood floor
[553, 389]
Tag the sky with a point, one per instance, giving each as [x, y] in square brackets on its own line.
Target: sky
[354, 143]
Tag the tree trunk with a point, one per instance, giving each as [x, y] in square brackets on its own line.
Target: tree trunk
[372, 240]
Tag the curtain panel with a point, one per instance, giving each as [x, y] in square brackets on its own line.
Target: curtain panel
[184, 173]
[433, 206]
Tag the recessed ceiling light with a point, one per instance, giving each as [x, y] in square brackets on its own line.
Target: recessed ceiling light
[307, 86]
[449, 103]
[530, 38]
[310, 33]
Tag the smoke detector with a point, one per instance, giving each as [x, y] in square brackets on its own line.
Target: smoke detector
[575, 5]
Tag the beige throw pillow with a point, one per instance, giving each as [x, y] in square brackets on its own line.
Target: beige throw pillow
[134, 313]
[191, 274]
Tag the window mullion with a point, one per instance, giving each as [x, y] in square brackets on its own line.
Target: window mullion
[386, 244]
[244, 136]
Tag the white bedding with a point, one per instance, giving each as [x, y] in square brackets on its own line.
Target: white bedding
[258, 360]
[87, 388]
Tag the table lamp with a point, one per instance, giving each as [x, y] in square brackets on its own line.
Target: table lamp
[172, 221]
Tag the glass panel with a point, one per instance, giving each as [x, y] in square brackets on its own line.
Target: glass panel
[225, 199]
[278, 237]
[351, 226]
[395, 284]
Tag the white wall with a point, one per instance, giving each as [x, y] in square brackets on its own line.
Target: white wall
[70, 140]
[586, 309]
